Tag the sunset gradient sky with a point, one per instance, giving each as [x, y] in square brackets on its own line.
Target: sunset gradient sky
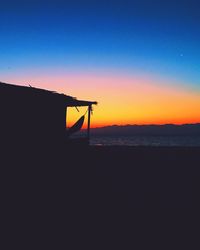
[139, 59]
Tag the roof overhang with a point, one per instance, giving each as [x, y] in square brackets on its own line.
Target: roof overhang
[69, 101]
[79, 103]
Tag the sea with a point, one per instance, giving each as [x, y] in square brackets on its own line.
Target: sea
[156, 141]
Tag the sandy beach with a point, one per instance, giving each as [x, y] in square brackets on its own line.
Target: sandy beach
[104, 194]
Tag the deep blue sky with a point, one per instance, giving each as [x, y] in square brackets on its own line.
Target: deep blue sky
[158, 37]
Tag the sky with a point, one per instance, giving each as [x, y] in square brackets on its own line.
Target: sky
[140, 60]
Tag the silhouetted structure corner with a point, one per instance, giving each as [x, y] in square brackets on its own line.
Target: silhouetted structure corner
[35, 118]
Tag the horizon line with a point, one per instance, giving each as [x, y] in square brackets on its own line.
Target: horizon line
[150, 124]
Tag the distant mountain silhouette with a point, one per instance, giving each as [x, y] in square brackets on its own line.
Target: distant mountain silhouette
[167, 129]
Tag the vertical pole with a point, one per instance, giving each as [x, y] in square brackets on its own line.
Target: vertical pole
[88, 127]
[65, 118]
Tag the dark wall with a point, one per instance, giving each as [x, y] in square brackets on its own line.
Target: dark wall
[31, 119]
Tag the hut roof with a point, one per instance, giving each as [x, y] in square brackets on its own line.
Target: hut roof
[29, 90]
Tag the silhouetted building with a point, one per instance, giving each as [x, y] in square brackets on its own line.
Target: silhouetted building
[34, 117]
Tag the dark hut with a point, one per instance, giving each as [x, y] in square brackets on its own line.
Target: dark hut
[34, 117]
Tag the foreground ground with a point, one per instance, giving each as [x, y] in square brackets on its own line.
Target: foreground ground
[103, 197]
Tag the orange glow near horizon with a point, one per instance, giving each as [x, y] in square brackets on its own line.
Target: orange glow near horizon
[125, 100]
[134, 101]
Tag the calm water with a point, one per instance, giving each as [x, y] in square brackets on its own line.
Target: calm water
[191, 141]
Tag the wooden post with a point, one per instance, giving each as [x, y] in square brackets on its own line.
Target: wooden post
[66, 118]
[88, 127]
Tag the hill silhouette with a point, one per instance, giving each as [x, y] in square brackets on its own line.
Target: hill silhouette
[166, 129]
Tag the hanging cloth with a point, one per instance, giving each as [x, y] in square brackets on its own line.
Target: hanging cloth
[77, 126]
